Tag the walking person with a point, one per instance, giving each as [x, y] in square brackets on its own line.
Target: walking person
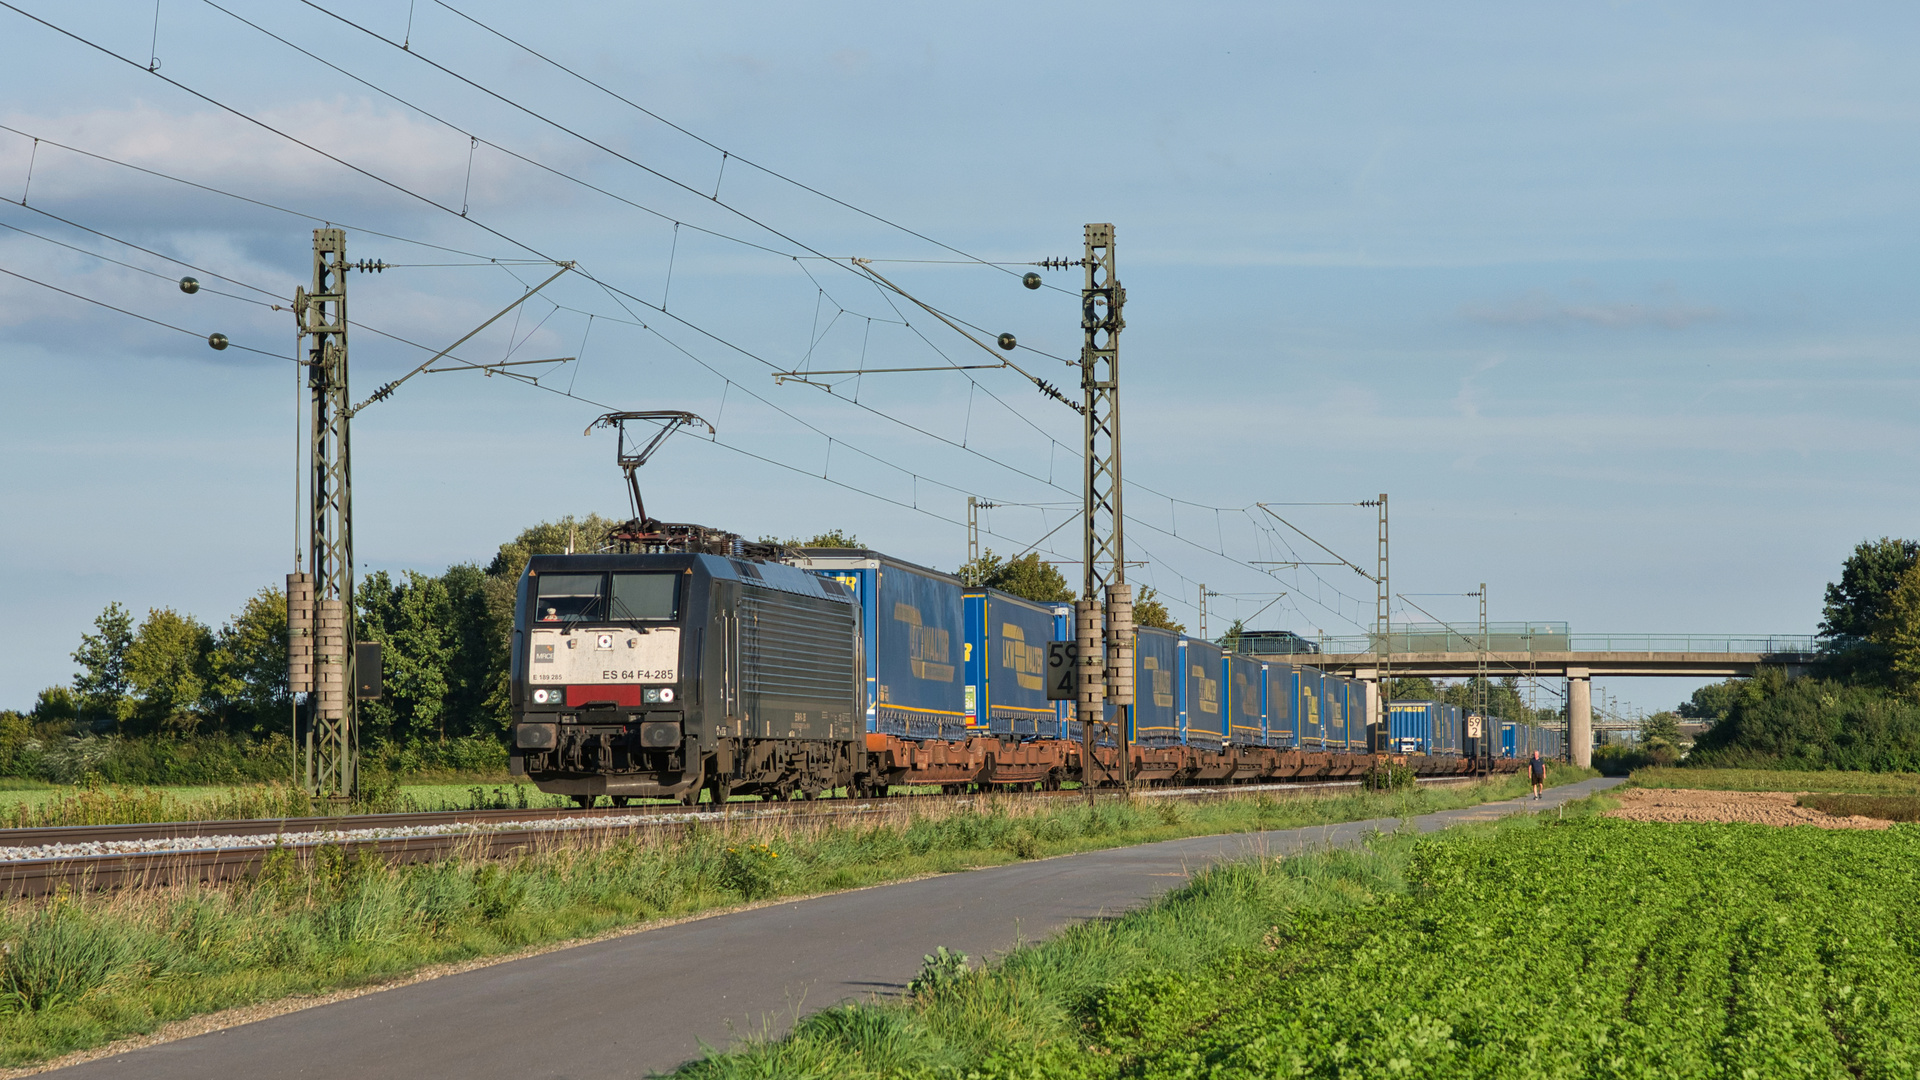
[1538, 769]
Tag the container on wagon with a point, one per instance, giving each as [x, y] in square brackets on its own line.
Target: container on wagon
[1006, 665]
[1246, 707]
[1281, 693]
[1156, 693]
[1309, 708]
[912, 623]
[1204, 710]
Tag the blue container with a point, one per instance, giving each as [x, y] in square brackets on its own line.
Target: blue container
[1411, 726]
[1156, 687]
[1006, 662]
[1340, 713]
[1203, 708]
[915, 641]
[1246, 686]
[1280, 705]
[1310, 708]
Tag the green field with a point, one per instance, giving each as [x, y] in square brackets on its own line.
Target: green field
[1852, 783]
[1584, 947]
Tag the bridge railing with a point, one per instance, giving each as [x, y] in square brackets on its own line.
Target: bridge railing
[1555, 639]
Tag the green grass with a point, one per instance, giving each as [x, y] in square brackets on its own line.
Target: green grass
[1884, 807]
[1856, 783]
[83, 969]
[1582, 947]
[98, 804]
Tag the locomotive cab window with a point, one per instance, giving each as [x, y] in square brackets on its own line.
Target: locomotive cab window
[568, 597]
[645, 597]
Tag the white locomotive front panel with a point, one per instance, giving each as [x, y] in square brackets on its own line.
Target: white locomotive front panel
[584, 657]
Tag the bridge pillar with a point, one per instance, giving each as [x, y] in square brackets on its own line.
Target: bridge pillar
[1580, 717]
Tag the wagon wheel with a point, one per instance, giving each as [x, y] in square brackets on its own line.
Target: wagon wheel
[619, 801]
[585, 802]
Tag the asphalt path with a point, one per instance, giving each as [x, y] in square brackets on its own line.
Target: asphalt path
[647, 1002]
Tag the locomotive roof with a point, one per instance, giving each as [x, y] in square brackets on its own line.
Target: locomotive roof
[772, 575]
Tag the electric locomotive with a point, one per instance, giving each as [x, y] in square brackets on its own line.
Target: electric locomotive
[662, 675]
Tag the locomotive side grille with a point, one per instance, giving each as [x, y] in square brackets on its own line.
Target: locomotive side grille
[795, 646]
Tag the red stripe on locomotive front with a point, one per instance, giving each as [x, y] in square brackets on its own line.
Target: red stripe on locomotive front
[622, 695]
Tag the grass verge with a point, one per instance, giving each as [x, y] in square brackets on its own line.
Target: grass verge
[83, 969]
[1884, 807]
[1576, 947]
[105, 804]
[1834, 780]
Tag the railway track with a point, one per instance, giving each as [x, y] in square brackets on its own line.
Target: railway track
[38, 862]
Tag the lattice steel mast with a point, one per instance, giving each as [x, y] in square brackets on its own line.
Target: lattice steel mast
[324, 603]
[1106, 658]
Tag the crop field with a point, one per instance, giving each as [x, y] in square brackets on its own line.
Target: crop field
[1588, 947]
[1833, 780]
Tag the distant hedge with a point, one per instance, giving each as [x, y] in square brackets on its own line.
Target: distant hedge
[1813, 723]
[207, 760]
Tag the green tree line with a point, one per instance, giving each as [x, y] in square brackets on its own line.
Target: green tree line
[169, 676]
[1859, 707]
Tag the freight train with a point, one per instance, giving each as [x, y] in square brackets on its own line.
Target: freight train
[666, 674]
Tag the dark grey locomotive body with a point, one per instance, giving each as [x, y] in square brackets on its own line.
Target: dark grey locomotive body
[658, 676]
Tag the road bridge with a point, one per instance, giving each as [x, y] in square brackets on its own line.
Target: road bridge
[1548, 651]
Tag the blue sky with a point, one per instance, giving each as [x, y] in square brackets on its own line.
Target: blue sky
[1616, 301]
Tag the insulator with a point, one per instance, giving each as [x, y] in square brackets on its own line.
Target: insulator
[189, 285]
[1008, 341]
[1031, 280]
[218, 341]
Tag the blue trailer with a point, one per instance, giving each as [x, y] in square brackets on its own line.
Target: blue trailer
[1156, 693]
[1281, 696]
[911, 618]
[1006, 662]
[1246, 685]
[1310, 719]
[1203, 711]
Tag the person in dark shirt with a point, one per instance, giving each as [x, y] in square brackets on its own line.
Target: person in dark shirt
[1538, 770]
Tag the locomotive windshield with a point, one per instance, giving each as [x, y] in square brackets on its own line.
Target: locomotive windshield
[645, 596]
[566, 597]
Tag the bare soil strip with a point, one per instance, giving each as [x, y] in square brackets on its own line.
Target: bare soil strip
[1679, 805]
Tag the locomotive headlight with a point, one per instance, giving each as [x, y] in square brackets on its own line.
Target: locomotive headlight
[650, 696]
[666, 693]
[540, 697]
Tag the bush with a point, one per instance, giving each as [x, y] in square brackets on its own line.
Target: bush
[939, 970]
[1615, 759]
[1386, 775]
[1812, 723]
[753, 870]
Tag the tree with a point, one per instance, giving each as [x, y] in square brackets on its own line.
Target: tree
[248, 667]
[1901, 634]
[412, 620]
[102, 684]
[1858, 604]
[1415, 688]
[1230, 641]
[1664, 726]
[1710, 703]
[1027, 576]
[834, 539]
[168, 669]
[1150, 610]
